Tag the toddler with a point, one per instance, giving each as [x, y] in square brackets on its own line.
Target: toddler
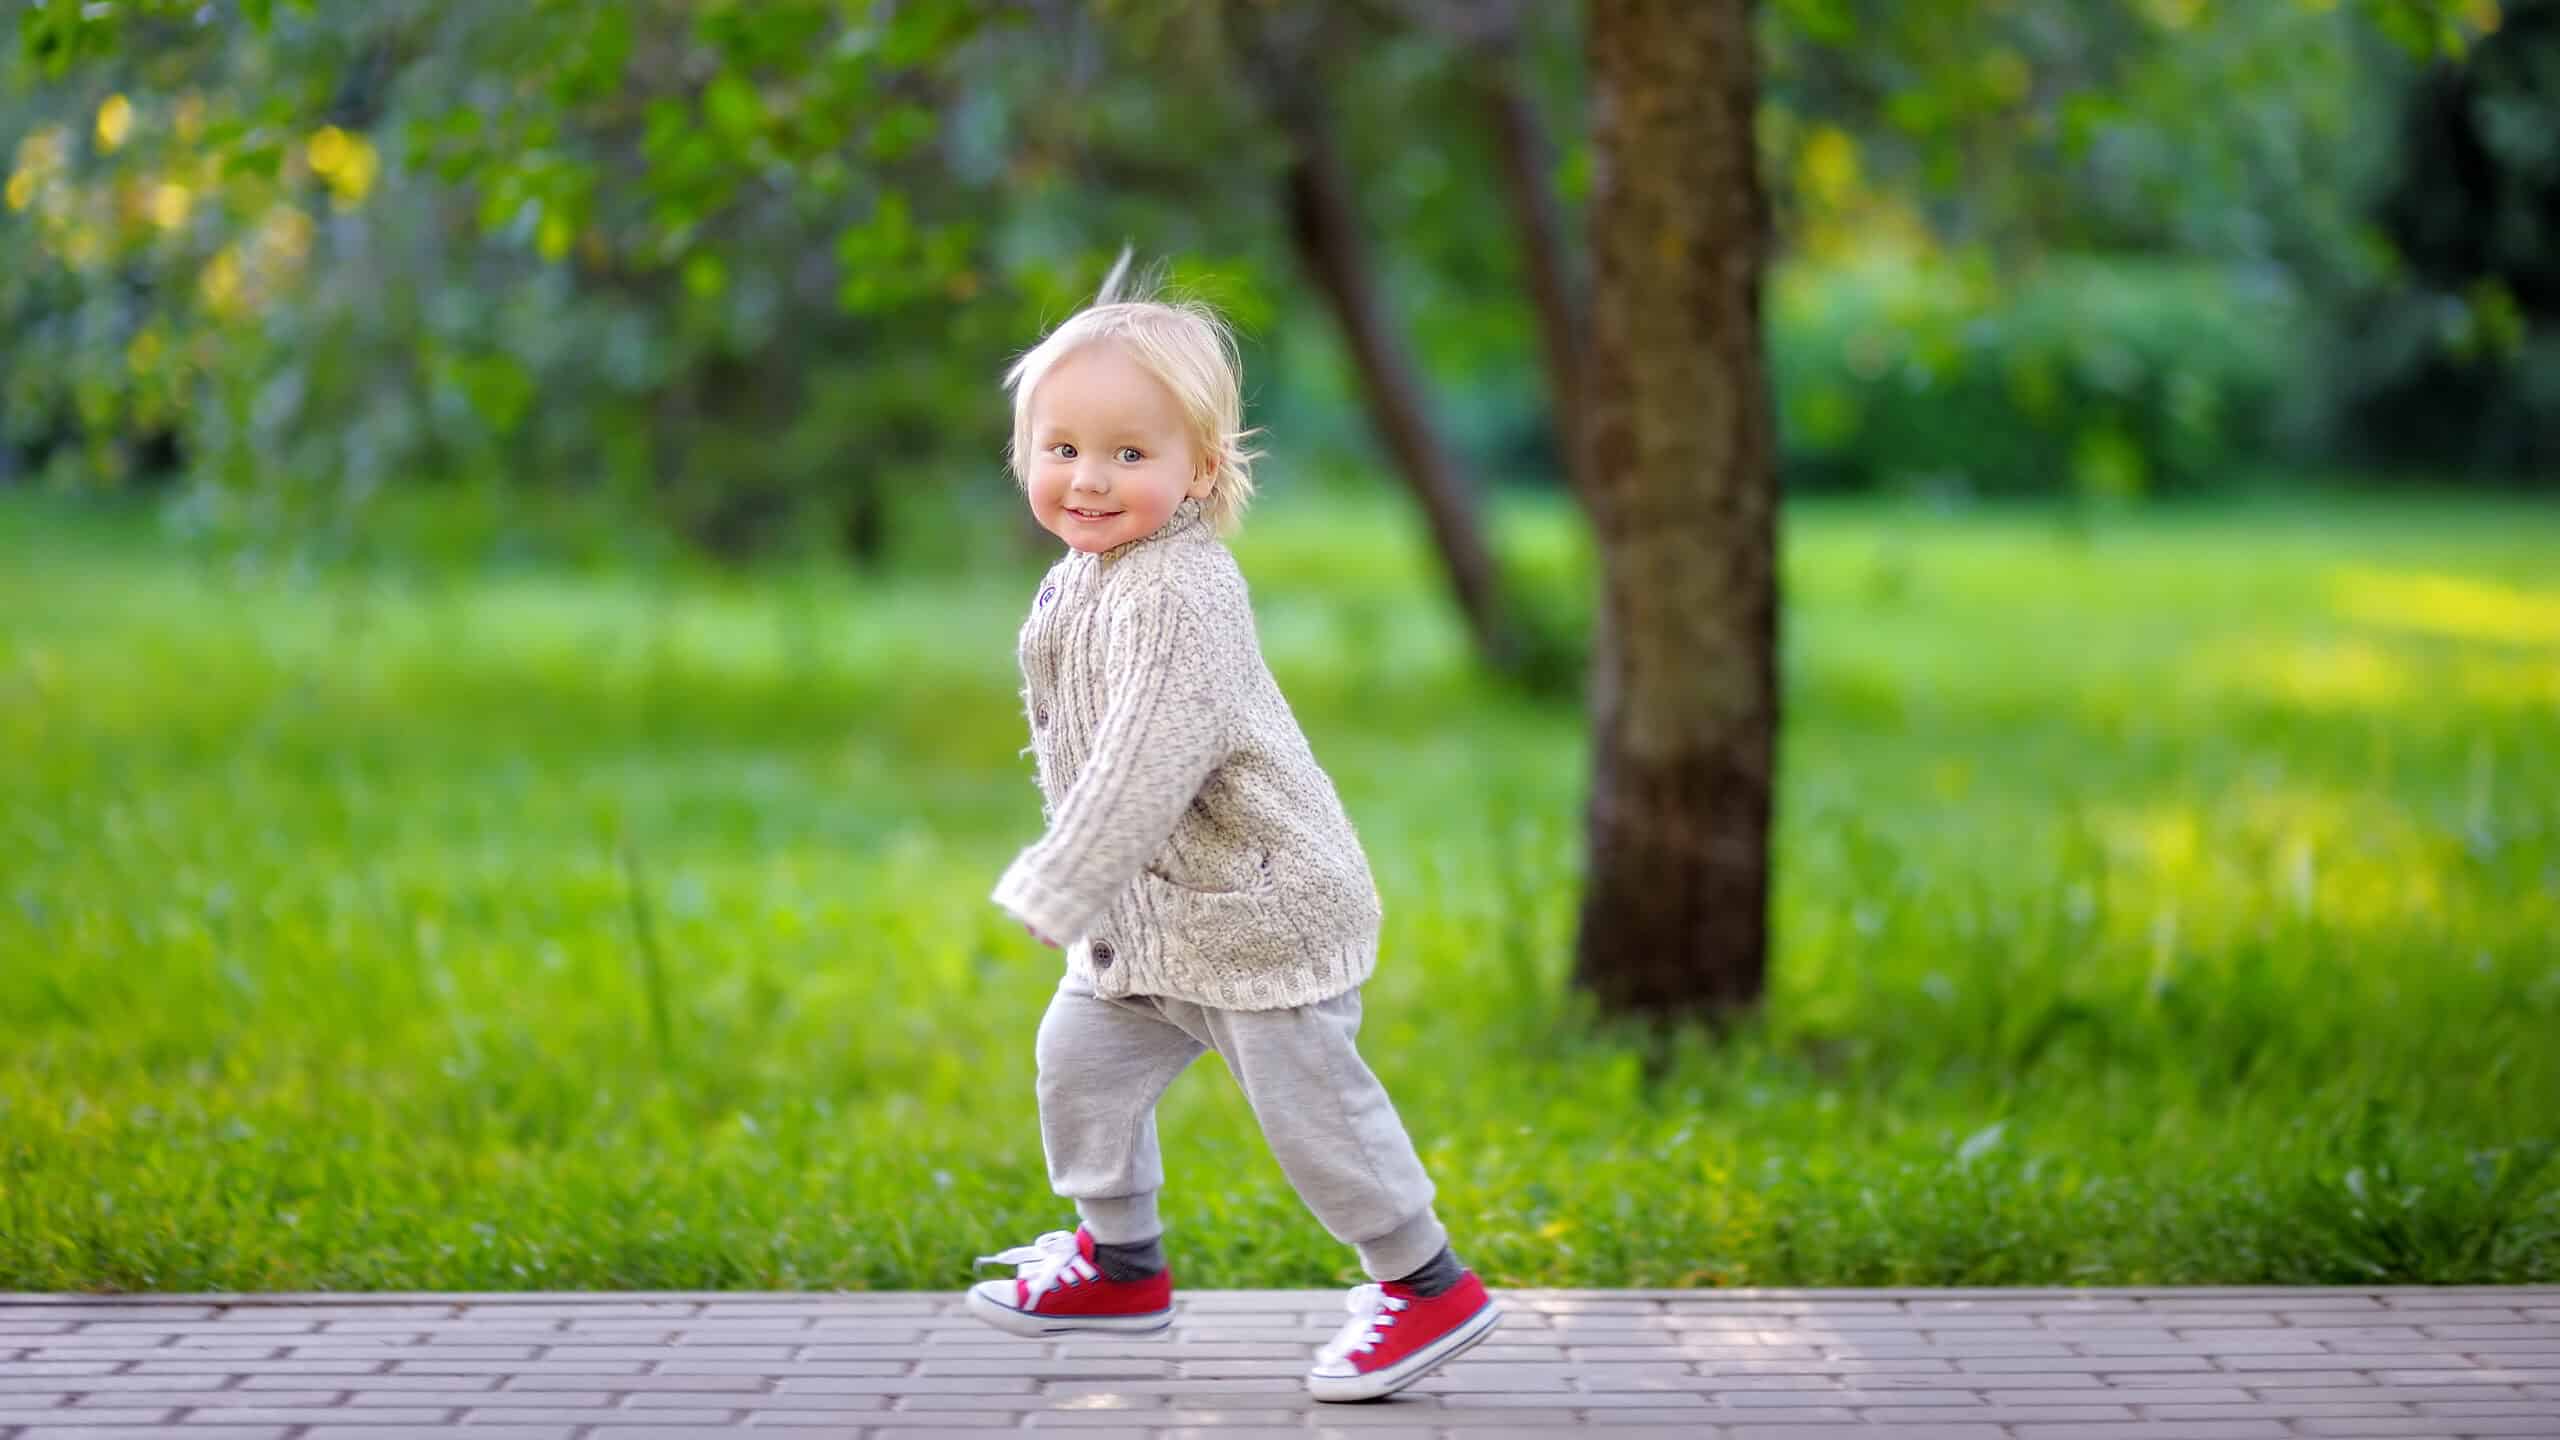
[1198, 867]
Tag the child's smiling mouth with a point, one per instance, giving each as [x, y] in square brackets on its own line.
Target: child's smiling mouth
[1092, 514]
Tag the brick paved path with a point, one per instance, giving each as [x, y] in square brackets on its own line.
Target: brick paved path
[2194, 1364]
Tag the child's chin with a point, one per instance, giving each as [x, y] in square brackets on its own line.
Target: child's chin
[1091, 539]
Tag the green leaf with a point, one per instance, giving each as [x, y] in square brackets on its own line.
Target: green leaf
[731, 106]
[705, 276]
[500, 203]
[900, 129]
[924, 31]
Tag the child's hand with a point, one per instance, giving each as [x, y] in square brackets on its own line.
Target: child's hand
[1043, 939]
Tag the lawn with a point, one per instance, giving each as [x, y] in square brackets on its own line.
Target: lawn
[2170, 901]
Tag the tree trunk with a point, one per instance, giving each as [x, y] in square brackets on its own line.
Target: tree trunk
[1281, 52]
[1682, 495]
[1526, 167]
[1324, 226]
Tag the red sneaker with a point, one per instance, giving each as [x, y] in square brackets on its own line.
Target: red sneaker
[1396, 1337]
[1057, 1289]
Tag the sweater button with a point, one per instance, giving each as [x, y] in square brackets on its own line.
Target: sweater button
[1102, 954]
[1040, 717]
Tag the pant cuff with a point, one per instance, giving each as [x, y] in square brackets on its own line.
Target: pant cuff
[1123, 1219]
[1405, 1249]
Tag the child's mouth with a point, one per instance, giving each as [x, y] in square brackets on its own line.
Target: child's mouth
[1091, 514]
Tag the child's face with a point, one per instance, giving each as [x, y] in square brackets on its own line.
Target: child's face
[1111, 453]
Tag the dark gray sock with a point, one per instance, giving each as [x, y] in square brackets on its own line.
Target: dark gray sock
[1436, 1275]
[1129, 1262]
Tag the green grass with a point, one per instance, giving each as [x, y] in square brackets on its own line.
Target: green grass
[2170, 903]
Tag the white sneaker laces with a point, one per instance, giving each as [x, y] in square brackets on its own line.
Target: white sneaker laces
[1045, 1263]
[1372, 1311]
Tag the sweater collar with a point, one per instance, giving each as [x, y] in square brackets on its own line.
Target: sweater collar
[1188, 516]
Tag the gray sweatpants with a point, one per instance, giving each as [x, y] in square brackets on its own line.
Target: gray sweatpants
[1105, 1061]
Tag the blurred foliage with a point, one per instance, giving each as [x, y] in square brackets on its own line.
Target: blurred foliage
[753, 268]
[2459, 363]
[690, 259]
[2106, 378]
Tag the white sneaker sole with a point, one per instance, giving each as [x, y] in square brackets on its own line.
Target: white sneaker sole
[1017, 1321]
[1470, 1333]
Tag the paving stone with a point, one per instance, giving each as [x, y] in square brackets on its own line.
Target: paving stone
[1019, 1404]
[361, 1386]
[438, 1432]
[295, 1398]
[1945, 1431]
[899, 1385]
[2217, 1320]
[2280, 1410]
[2478, 1375]
[1039, 1369]
[2540, 1429]
[644, 1432]
[54, 1415]
[2300, 1364]
[40, 1375]
[1997, 1414]
[778, 1368]
[709, 1384]
[1382, 1432]
[263, 1367]
[594, 1415]
[585, 1370]
[319, 1415]
[2396, 1394]
[97, 1384]
[344, 1351]
[85, 1314]
[57, 1431]
[1751, 1399]
[2146, 1431]
[2116, 1364]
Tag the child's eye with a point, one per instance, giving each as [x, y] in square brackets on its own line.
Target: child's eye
[1066, 446]
[1129, 455]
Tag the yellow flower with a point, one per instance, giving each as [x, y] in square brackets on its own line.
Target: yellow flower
[221, 283]
[347, 161]
[115, 121]
[1830, 164]
[327, 148]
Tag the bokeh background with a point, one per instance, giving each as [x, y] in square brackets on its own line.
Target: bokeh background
[508, 589]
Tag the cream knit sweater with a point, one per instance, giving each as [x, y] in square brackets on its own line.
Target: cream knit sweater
[1194, 849]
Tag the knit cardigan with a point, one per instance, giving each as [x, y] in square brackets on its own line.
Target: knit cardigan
[1194, 847]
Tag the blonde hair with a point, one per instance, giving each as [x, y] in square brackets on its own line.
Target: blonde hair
[1183, 343]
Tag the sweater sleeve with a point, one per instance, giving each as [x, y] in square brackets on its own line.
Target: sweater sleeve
[1164, 730]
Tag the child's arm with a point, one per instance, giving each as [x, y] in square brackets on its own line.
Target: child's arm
[1169, 674]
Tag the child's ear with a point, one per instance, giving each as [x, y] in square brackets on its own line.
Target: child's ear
[1206, 480]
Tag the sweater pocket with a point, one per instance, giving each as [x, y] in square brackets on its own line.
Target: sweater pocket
[1245, 926]
[1209, 871]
